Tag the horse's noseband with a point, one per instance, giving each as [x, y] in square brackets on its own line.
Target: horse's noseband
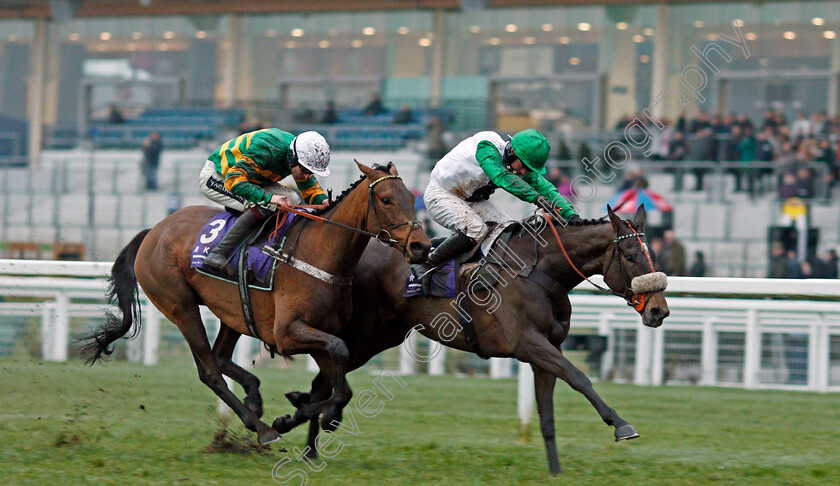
[637, 288]
[643, 285]
[649, 282]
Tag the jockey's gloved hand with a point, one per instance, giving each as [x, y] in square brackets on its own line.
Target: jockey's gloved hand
[543, 203]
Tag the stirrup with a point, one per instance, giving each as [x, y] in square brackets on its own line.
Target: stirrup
[424, 280]
[427, 270]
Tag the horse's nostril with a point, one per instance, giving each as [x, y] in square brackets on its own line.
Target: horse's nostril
[658, 313]
[417, 248]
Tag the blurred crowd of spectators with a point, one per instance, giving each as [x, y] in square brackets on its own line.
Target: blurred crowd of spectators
[784, 147]
[785, 264]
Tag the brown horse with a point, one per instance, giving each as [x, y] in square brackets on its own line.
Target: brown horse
[530, 321]
[303, 314]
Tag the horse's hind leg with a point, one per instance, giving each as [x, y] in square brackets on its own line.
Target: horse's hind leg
[223, 349]
[184, 313]
[534, 348]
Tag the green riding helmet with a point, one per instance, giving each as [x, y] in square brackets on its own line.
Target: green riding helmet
[532, 149]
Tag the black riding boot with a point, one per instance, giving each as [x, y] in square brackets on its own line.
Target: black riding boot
[450, 248]
[218, 258]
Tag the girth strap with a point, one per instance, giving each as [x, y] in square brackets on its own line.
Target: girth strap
[467, 324]
[543, 280]
[244, 292]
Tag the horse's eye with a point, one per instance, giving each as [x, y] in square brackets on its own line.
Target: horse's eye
[629, 258]
[386, 200]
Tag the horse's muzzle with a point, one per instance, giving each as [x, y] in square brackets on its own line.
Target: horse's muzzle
[657, 315]
[656, 309]
[417, 252]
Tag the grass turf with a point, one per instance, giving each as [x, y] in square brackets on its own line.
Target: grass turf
[128, 424]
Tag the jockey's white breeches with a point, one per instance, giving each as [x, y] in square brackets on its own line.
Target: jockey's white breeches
[212, 185]
[456, 214]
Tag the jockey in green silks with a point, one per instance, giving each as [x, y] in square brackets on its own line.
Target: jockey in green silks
[463, 180]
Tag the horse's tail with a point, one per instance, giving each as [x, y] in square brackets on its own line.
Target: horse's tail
[122, 291]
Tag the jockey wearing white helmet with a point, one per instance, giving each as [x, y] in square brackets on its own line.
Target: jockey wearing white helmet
[244, 175]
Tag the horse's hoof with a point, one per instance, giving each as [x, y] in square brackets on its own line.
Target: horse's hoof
[311, 453]
[626, 432]
[298, 399]
[267, 436]
[282, 424]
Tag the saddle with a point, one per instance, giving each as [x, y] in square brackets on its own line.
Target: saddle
[481, 261]
[260, 267]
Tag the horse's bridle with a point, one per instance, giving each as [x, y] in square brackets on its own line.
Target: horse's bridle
[383, 236]
[636, 301]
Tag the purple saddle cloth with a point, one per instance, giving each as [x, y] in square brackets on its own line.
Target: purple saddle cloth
[260, 264]
[442, 281]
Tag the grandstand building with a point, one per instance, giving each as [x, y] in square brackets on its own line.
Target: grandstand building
[197, 71]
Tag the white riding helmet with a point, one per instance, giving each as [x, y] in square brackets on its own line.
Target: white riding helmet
[312, 152]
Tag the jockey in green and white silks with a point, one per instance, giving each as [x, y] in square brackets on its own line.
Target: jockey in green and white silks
[244, 175]
[463, 180]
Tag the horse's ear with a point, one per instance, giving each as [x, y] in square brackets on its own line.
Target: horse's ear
[362, 167]
[392, 169]
[639, 218]
[614, 220]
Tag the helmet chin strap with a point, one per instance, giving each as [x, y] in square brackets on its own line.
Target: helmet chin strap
[507, 155]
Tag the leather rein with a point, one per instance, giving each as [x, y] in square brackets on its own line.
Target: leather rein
[383, 236]
[636, 301]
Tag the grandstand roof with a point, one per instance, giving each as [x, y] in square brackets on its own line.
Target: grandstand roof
[120, 8]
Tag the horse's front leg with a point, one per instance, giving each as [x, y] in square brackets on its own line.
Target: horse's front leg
[331, 354]
[535, 349]
[544, 388]
[223, 348]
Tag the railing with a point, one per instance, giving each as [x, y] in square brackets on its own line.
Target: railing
[753, 341]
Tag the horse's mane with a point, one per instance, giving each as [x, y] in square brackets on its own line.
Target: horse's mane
[577, 222]
[534, 222]
[587, 222]
[347, 191]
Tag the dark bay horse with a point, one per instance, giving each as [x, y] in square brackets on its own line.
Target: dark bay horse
[530, 322]
[303, 314]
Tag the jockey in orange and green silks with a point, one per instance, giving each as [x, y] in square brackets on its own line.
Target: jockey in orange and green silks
[464, 179]
[243, 175]
[262, 158]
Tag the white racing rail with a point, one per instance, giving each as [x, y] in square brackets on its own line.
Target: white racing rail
[750, 333]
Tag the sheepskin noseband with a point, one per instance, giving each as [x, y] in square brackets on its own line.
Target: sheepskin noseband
[649, 282]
